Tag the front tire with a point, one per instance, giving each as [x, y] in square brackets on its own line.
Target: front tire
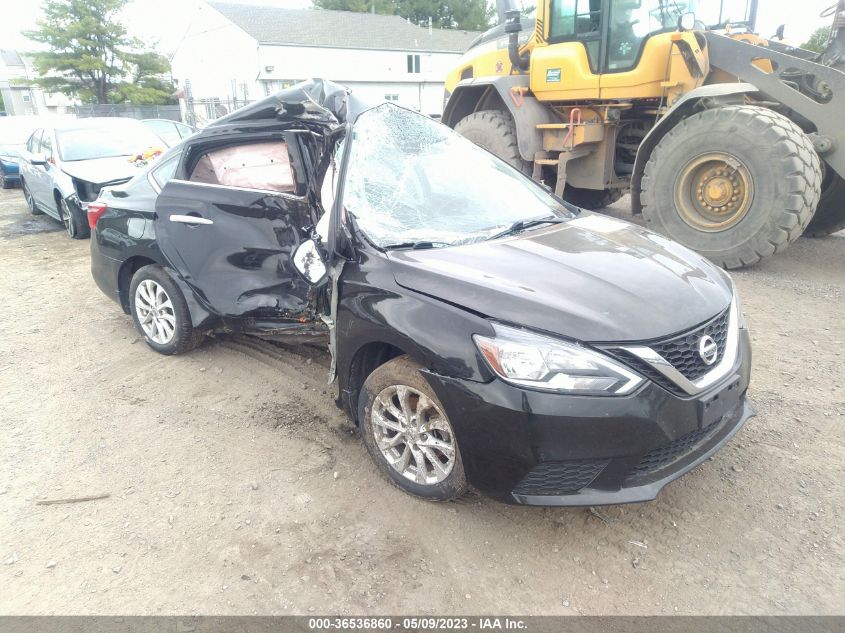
[735, 183]
[160, 312]
[4, 182]
[830, 212]
[407, 433]
[76, 224]
[495, 131]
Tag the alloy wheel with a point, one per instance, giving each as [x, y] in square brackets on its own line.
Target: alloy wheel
[155, 312]
[413, 434]
[28, 197]
[67, 220]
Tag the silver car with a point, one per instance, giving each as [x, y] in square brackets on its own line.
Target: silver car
[64, 166]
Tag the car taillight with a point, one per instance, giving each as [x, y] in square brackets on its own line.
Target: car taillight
[95, 210]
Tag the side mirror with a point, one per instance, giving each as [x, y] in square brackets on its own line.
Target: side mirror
[686, 21]
[309, 262]
[38, 159]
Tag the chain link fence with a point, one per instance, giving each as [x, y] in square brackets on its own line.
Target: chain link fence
[201, 112]
[198, 112]
[132, 111]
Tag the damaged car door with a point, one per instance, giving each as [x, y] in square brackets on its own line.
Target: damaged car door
[231, 220]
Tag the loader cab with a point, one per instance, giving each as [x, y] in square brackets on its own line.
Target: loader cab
[620, 49]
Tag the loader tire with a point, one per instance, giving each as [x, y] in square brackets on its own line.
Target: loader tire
[735, 183]
[830, 212]
[591, 198]
[495, 131]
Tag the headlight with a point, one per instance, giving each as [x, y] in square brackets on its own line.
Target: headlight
[540, 362]
[737, 305]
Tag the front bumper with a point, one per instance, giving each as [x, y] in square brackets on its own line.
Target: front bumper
[530, 447]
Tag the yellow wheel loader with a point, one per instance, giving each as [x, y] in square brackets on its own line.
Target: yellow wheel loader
[728, 143]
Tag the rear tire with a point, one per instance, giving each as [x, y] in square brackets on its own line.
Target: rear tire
[4, 182]
[591, 198]
[159, 291]
[759, 202]
[495, 131]
[830, 212]
[426, 432]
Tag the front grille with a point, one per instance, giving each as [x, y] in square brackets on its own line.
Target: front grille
[682, 351]
[558, 478]
[647, 370]
[662, 456]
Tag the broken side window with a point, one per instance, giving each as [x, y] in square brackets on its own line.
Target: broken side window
[264, 165]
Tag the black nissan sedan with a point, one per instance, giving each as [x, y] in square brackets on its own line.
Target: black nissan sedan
[483, 332]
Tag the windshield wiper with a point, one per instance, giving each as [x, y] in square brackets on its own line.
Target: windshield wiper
[521, 225]
[413, 246]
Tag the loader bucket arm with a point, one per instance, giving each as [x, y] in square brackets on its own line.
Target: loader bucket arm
[826, 113]
[835, 53]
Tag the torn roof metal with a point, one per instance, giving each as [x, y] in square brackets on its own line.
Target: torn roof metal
[312, 101]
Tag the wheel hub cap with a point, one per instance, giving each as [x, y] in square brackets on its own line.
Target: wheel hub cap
[155, 312]
[66, 219]
[413, 434]
[713, 192]
[718, 191]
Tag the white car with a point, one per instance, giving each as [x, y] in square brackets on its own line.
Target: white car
[65, 165]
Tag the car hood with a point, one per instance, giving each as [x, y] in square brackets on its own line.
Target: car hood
[593, 279]
[100, 171]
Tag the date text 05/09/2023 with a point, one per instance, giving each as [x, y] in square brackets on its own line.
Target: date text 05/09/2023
[427, 623]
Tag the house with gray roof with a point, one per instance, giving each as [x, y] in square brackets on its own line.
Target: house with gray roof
[20, 97]
[235, 53]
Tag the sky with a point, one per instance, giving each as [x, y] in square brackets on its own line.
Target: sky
[161, 23]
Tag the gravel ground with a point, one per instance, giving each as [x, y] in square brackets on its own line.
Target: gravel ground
[237, 487]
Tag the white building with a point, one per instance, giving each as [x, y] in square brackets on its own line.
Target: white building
[242, 52]
[21, 98]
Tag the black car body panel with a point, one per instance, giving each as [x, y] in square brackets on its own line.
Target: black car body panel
[599, 282]
[507, 432]
[244, 265]
[608, 278]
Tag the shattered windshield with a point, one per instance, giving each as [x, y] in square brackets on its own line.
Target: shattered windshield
[412, 181]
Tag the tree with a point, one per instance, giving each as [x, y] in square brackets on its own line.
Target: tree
[384, 7]
[92, 57]
[472, 15]
[818, 40]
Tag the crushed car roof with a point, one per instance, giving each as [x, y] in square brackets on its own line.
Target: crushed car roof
[315, 100]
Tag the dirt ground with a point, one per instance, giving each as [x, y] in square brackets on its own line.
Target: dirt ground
[237, 487]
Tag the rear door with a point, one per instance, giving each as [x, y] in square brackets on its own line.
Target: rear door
[230, 220]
